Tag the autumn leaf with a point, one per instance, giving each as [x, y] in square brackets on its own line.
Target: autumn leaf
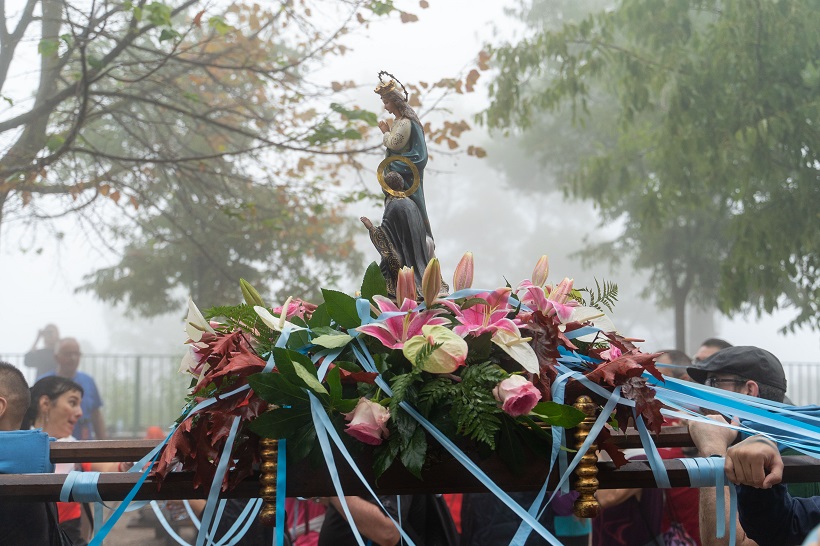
[424, 4]
[198, 18]
[408, 17]
[483, 59]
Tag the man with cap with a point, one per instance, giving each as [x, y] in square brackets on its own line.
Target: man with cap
[745, 370]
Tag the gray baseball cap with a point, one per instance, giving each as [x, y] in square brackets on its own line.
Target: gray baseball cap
[747, 362]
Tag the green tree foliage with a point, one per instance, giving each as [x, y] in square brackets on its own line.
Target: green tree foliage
[703, 118]
[190, 137]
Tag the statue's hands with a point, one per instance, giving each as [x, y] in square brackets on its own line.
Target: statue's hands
[366, 221]
[384, 126]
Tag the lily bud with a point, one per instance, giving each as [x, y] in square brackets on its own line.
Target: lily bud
[250, 294]
[431, 282]
[463, 276]
[561, 291]
[405, 285]
[541, 271]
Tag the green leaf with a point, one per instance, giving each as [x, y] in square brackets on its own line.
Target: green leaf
[559, 415]
[373, 283]
[332, 341]
[274, 388]
[381, 8]
[301, 442]
[509, 446]
[282, 422]
[293, 366]
[94, 62]
[414, 452]
[8, 100]
[319, 317]
[364, 115]
[158, 14]
[48, 47]
[385, 454]
[345, 405]
[341, 308]
[54, 142]
[168, 34]
[219, 25]
[334, 384]
[479, 347]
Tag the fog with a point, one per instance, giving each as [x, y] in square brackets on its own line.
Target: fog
[472, 206]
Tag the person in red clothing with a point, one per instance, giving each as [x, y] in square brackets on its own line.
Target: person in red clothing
[680, 514]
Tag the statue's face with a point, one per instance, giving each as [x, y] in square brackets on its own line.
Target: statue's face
[390, 106]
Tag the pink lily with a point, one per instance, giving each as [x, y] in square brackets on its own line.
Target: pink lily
[394, 331]
[557, 303]
[482, 318]
[492, 317]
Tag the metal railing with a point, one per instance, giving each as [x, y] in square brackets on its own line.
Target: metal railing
[139, 391]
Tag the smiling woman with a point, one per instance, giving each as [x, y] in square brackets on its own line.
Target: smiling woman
[56, 408]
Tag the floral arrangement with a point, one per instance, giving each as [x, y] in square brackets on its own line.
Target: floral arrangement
[479, 365]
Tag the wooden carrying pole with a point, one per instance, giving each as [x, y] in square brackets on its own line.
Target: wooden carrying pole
[307, 481]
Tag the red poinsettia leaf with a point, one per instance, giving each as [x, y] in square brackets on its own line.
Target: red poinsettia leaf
[545, 337]
[604, 441]
[357, 377]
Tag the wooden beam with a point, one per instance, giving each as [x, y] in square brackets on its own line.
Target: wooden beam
[306, 481]
[132, 450]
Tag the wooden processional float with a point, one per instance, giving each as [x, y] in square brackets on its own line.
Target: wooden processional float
[306, 481]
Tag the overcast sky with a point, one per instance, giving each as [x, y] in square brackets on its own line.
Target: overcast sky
[471, 208]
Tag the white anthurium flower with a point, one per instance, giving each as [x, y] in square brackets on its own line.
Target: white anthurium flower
[274, 322]
[195, 323]
[593, 316]
[518, 348]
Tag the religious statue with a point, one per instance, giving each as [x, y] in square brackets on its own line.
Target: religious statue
[404, 138]
[404, 238]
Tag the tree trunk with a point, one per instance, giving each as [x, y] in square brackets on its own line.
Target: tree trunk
[680, 320]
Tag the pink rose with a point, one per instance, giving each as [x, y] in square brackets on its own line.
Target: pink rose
[368, 422]
[517, 395]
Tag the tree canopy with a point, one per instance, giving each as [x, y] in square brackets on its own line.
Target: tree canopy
[701, 121]
[194, 136]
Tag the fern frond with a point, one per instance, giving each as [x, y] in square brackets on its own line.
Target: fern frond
[402, 386]
[434, 392]
[425, 353]
[476, 415]
[606, 295]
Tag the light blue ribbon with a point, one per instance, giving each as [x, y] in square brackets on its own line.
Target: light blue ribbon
[708, 472]
[281, 489]
[216, 485]
[652, 455]
[325, 430]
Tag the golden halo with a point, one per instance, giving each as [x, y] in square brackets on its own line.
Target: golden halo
[380, 174]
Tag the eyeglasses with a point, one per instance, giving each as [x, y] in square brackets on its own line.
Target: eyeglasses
[715, 381]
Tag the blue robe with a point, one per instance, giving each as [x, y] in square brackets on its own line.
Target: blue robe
[417, 153]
